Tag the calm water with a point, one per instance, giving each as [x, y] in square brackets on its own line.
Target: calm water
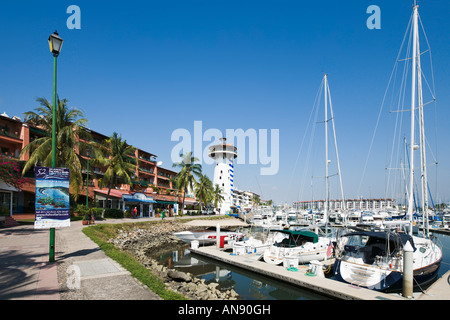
[252, 286]
[444, 241]
[249, 285]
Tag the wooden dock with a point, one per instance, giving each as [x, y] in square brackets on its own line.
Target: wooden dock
[440, 290]
[328, 287]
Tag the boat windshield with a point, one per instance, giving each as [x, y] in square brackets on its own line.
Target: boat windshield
[290, 242]
[357, 241]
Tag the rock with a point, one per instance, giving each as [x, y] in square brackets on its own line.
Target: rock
[147, 242]
[213, 285]
[178, 275]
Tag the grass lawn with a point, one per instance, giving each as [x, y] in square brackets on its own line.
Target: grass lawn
[100, 234]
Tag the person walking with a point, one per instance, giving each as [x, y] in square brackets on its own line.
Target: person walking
[134, 213]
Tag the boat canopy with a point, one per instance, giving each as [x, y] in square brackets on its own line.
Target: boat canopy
[307, 235]
[213, 223]
[392, 236]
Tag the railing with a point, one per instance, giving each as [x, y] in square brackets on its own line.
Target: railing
[4, 131]
[141, 157]
[146, 170]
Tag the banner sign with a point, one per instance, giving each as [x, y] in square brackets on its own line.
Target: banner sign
[52, 198]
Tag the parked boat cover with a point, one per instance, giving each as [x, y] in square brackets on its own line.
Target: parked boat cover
[309, 235]
[394, 237]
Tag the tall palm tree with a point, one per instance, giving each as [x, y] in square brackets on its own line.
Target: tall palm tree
[203, 190]
[117, 157]
[189, 169]
[69, 128]
[256, 200]
[217, 196]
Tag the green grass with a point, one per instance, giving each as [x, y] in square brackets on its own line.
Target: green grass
[100, 233]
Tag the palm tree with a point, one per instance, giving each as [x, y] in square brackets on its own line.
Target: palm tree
[185, 178]
[203, 190]
[217, 196]
[69, 128]
[256, 201]
[118, 159]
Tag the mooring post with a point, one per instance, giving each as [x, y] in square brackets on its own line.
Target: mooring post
[408, 270]
[218, 236]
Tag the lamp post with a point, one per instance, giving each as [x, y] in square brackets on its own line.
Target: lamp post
[88, 153]
[55, 43]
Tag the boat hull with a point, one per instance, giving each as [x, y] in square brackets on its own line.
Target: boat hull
[384, 280]
[275, 255]
[206, 236]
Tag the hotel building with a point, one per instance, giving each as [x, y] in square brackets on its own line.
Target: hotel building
[350, 204]
[243, 200]
[152, 185]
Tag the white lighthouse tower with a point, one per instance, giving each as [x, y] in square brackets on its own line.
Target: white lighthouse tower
[224, 155]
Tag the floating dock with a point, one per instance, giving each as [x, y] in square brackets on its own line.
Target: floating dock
[328, 287]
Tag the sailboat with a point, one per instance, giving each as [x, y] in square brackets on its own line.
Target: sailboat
[303, 245]
[374, 259]
[306, 245]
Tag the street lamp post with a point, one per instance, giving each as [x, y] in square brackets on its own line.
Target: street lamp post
[55, 43]
[87, 179]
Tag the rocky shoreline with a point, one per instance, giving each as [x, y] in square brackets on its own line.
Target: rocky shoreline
[144, 243]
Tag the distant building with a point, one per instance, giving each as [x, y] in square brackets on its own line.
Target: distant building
[243, 200]
[150, 179]
[350, 204]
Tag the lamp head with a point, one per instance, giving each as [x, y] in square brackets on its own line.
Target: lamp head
[55, 43]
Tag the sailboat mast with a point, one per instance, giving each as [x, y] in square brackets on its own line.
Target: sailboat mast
[423, 159]
[337, 152]
[326, 150]
[413, 107]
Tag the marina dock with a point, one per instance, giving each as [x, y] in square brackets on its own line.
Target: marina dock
[328, 287]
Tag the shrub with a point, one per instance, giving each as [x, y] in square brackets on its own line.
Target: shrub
[96, 212]
[4, 211]
[113, 213]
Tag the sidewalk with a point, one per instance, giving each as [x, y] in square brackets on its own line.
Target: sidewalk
[81, 272]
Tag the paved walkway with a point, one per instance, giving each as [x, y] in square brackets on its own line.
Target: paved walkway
[81, 271]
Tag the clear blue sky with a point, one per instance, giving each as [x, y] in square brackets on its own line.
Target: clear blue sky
[147, 68]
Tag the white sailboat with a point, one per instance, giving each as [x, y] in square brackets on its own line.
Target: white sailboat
[374, 259]
[303, 245]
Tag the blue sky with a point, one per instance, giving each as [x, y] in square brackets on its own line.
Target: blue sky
[147, 68]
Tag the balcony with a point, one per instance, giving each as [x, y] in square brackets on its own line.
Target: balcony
[145, 170]
[164, 174]
[7, 132]
[147, 158]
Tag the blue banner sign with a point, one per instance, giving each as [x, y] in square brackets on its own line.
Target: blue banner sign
[52, 198]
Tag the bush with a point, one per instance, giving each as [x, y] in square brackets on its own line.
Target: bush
[96, 212]
[113, 213]
[4, 211]
[127, 214]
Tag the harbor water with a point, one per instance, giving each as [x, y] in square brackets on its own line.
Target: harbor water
[254, 286]
[249, 285]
